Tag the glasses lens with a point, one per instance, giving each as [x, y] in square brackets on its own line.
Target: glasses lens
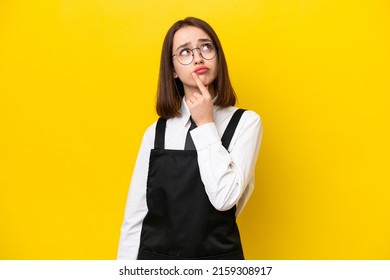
[185, 56]
[208, 51]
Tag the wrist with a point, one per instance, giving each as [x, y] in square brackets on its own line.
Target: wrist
[204, 121]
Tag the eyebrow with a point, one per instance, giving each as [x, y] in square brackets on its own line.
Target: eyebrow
[201, 40]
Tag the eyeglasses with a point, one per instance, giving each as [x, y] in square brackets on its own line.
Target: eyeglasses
[186, 56]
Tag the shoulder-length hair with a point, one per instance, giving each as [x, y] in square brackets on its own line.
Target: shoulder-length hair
[170, 91]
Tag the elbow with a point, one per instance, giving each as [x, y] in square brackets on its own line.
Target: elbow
[223, 207]
[223, 201]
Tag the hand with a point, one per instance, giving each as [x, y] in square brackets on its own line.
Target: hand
[200, 103]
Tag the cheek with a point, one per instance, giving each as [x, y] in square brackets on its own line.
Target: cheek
[179, 71]
[213, 75]
[182, 73]
[185, 77]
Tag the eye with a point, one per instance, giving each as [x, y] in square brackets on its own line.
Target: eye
[206, 47]
[185, 52]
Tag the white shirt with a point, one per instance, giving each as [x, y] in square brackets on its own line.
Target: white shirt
[228, 177]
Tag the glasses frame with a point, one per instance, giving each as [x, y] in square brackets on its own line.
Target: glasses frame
[193, 54]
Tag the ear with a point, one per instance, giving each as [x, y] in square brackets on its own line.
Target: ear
[175, 75]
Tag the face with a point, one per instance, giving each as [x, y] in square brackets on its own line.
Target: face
[188, 38]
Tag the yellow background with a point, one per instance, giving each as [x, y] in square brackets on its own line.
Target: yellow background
[77, 91]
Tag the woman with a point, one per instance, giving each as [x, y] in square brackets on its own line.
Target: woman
[189, 184]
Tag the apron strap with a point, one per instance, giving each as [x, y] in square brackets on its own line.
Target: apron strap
[231, 128]
[159, 139]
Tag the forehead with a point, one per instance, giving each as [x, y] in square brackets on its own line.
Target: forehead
[188, 34]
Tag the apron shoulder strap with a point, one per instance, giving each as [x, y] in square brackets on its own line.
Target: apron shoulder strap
[159, 139]
[231, 128]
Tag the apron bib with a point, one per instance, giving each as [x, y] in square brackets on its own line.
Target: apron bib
[181, 223]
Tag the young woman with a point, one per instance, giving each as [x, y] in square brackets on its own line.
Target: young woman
[195, 168]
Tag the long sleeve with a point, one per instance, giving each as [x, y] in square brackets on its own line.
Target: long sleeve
[228, 176]
[136, 207]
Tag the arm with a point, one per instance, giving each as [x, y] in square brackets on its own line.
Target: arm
[226, 176]
[136, 207]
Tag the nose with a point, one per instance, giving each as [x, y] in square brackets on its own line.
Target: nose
[198, 58]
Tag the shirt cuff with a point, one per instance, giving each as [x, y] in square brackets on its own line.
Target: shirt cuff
[205, 136]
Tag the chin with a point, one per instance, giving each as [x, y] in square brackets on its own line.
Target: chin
[205, 80]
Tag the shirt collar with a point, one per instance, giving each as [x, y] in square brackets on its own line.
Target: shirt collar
[185, 113]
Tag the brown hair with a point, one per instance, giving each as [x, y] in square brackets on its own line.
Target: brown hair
[170, 91]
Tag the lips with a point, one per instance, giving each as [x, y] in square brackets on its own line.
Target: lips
[201, 70]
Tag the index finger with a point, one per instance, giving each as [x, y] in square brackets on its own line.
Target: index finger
[203, 89]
